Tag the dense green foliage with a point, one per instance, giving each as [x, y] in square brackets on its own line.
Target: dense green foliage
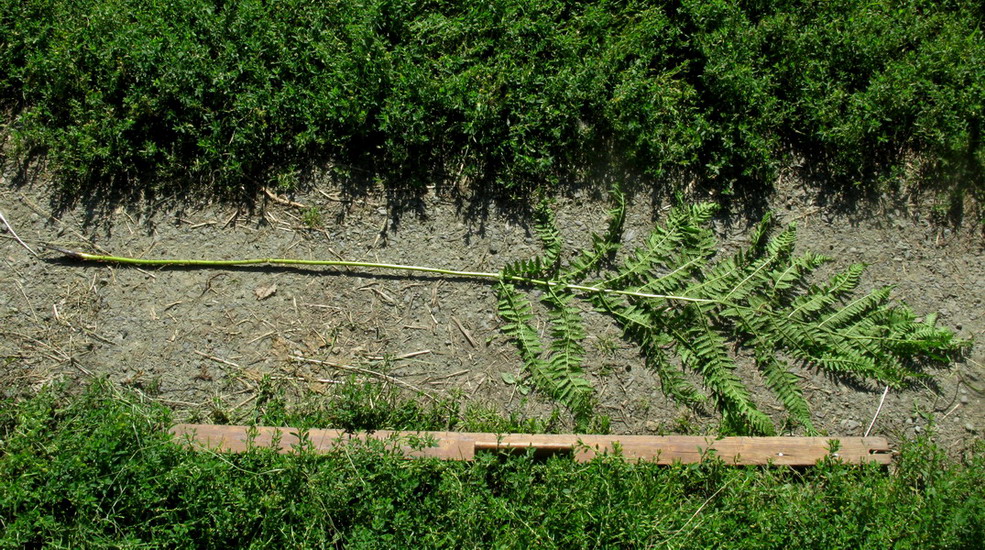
[687, 307]
[227, 96]
[98, 470]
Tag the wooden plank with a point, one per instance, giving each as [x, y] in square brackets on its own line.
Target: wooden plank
[790, 451]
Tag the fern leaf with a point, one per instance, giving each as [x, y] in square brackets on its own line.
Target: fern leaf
[672, 381]
[784, 384]
[782, 244]
[563, 377]
[857, 308]
[523, 269]
[660, 245]
[759, 236]
[664, 247]
[545, 225]
[734, 278]
[603, 247]
[516, 310]
[703, 350]
[793, 275]
[638, 327]
[819, 298]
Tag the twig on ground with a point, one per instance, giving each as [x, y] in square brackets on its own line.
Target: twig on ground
[217, 359]
[82, 369]
[956, 407]
[336, 197]
[447, 376]
[361, 370]
[243, 402]
[879, 408]
[401, 357]
[14, 233]
[465, 333]
[29, 304]
[281, 200]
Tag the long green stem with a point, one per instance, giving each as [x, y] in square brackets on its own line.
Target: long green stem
[159, 262]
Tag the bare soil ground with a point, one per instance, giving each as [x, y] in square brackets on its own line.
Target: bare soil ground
[202, 340]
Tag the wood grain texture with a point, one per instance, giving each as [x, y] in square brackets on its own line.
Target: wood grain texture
[790, 451]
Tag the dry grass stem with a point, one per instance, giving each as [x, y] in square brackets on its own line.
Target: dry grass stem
[876, 415]
[369, 372]
[16, 237]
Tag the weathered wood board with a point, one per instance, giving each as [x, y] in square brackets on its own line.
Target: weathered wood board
[789, 451]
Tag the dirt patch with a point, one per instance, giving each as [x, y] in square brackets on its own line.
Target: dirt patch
[202, 340]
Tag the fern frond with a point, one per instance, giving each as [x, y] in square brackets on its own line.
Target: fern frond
[856, 309]
[782, 244]
[785, 385]
[759, 235]
[660, 245]
[617, 215]
[703, 350]
[515, 309]
[672, 381]
[635, 320]
[732, 279]
[603, 247]
[562, 376]
[673, 253]
[819, 298]
[793, 275]
[523, 269]
[638, 327]
[699, 239]
[858, 364]
[545, 225]
[759, 298]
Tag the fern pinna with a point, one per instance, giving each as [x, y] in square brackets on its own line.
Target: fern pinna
[689, 311]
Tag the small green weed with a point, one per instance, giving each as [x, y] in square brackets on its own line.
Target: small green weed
[311, 218]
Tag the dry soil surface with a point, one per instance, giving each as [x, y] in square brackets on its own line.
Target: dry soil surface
[202, 340]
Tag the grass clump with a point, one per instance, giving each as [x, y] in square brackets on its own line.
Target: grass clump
[98, 469]
[224, 98]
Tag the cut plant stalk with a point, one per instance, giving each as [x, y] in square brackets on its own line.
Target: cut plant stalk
[165, 262]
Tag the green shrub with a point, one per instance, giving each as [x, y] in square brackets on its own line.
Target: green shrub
[125, 96]
[98, 470]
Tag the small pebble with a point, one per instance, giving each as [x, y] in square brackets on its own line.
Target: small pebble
[849, 424]
[969, 426]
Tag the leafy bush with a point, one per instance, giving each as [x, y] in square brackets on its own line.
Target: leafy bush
[99, 470]
[127, 96]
